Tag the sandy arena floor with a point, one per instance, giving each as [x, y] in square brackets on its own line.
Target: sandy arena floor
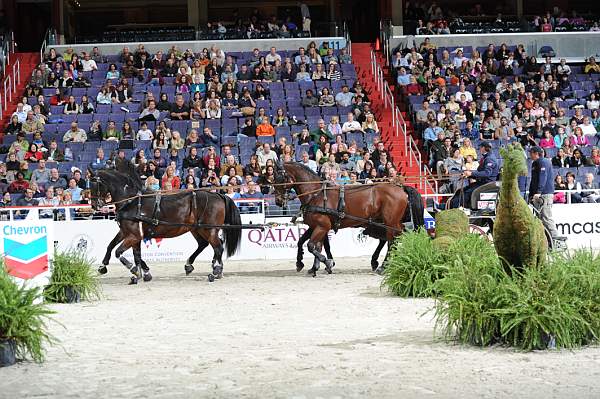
[265, 331]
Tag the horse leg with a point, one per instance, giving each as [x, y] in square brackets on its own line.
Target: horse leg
[299, 256]
[217, 263]
[314, 246]
[202, 244]
[137, 256]
[375, 257]
[102, 269]
[129, 243]
[327, 247]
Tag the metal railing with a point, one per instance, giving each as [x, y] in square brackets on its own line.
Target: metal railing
[6, 94]
[44, 45]
[411, 149]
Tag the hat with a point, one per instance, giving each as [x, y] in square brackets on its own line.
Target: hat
[486, 145]
[537, 149]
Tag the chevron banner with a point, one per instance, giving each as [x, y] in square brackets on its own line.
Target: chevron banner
[27, 248]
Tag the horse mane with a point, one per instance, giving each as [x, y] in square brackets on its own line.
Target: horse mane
[131, 179]
[305, 168]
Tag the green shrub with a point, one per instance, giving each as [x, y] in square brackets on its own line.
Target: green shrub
[416, 261]
[480, 304]
[72, 270]
[23, 318]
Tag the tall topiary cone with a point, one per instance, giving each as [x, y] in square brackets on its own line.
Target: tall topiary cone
[518, 236]
[450, 225]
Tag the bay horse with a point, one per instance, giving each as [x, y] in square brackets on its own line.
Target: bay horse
[381, 208]
[166, 215]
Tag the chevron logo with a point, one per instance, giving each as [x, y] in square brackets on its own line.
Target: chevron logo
[149, 241]
[26, 260]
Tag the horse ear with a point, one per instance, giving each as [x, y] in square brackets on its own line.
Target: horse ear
[91, 171]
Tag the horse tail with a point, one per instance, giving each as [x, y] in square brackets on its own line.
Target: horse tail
[415, 206]
[233, 236]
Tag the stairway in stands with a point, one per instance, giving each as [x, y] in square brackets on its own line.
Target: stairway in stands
[28, 62]
[361, 56]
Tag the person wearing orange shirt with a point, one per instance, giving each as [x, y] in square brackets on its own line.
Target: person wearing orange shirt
[265, 129]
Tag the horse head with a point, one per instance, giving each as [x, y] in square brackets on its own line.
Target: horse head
[283, 182]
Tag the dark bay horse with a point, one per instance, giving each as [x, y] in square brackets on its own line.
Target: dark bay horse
[166, 215]
[381, 208]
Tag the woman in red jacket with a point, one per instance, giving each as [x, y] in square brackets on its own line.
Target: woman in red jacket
[34, 154]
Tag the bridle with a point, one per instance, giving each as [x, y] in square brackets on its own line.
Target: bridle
[283, 179]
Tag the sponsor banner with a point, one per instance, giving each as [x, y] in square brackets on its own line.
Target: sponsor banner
[278, 242]
[580, 223]
[28, 248]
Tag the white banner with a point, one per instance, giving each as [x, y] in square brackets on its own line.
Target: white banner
[580, 223]
[28, 248]
[271, 243]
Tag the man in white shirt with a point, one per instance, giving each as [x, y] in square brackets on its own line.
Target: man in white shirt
[309, 163]
[88, 64]
[264, 154]
[344, 98]
[587, 128]
[301, 58]
[458, 59]
[273, 56]
[144, 133]
[75, 134]
[48, 200]
[74, 190]
[463, 90]
[20, 112]
[351, 125]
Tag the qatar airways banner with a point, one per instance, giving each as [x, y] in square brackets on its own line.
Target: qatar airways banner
[277, 242]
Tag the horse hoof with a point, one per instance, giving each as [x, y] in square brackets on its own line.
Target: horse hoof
[218, 271]
[374, 265]
[102, 270]
[299, 266]
[219, 276]
[136, 272]
[147, 277]
[188, 269]
[133, 280]
[211, 278]
[380, 270]
[329, 264]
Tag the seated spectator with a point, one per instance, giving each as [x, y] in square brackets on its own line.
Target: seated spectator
[213, 110]
[370, 124]
[19, 185]
[33, 154]
[326, 99]
[334, 128]
[32, 125]
[345, 97]
[71, 107]
[587, 127]
[265, 154]
[302, 74]
[192, 160]
[41, 175]
[55, 180]
[265, 129]
[321, 131]
[310, 100]
[579, 139]
[333, 74]
[104, 96]
[75, 134]
[591, 66]
[113, 72]
[14, 126]
[179, 110]
[144, 133]
[589, 184]
[577, 160]
[351, 125]
[208, 138]
[121, 95]
[574, 188]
